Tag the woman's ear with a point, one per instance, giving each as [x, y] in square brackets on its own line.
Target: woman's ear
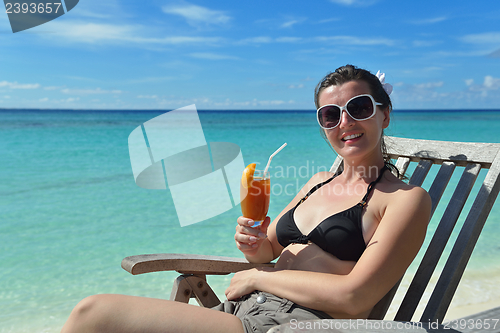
[387, 118]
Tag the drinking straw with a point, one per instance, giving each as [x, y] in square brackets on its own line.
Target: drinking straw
[271, 157]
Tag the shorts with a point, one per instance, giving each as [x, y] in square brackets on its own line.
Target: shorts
[260, 311]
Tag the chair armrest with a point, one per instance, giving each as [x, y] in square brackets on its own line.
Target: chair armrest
[187, 264]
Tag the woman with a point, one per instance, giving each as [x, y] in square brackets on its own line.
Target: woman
[342, 242]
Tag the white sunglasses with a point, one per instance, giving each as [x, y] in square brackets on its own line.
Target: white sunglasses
[361, 107]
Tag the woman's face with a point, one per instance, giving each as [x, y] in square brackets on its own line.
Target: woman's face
[353, 138]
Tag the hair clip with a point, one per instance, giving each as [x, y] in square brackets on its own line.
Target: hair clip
[387, 86]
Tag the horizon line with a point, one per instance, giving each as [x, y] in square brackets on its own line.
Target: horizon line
[234, 110]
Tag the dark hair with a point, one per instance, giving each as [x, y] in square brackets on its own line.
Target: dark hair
[349, 73]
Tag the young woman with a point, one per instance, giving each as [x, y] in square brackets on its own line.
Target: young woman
[343, 242]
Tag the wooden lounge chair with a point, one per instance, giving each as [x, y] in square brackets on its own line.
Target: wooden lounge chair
[471, 156]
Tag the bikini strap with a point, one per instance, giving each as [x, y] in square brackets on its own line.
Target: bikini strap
[312, 190]
[362, 202]
[371, 186]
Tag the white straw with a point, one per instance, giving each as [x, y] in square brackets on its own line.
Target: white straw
[271, 157]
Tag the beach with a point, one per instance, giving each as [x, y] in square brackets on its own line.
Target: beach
[71, 210]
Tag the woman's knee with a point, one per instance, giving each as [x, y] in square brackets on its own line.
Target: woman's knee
[87, 306]
[88, 314]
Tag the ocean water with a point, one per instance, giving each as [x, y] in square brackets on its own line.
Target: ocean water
[71, 211]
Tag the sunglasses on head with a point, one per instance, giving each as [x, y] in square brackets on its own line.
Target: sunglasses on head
[359, 108]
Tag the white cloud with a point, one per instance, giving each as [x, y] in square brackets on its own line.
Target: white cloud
[268, 40]
[93, 33]
[89, 91]
[483, 38]
[288, 39]
[196, 15]
[53, 88]
[345, 40]
[15, 85]
[99, 9]
[289, 24]
[296, 86]
[271, 103]
[256, 40]
[429, 85]
[148, 96]
[354, 2]
[352, 40]
[495, 54]
[491, 83]
[425, 43]
[486, 43]
[212, 56]
[428, 21]
[151, 79]
[335, 19]
[422, 92]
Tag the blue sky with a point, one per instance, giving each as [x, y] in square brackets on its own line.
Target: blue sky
[161, 54]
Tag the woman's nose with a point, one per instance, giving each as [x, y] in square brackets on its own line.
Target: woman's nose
[346, 120]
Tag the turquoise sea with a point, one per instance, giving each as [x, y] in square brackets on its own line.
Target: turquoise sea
[70, 209]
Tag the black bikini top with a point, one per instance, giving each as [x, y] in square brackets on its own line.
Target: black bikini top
[340, 234]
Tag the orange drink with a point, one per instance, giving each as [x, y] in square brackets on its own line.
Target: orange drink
[255, 192]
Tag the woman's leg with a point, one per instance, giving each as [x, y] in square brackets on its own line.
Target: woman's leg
[120, 313]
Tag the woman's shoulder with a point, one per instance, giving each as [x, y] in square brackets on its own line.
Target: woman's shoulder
[316, 179]
[321, 176]
[403, 193]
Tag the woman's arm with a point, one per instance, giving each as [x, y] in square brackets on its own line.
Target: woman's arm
[260, 244]
[392, 248]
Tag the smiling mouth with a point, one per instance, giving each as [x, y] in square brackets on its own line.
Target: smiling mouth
[353, 136]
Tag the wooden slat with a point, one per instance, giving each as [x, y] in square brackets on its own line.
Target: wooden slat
[402, 164]
[337, 165]
[188, 286]
[461, 153]
[186, 264]
[438, 243]
[440, 182]
[421, 171]
[457, 261]
[181, 290]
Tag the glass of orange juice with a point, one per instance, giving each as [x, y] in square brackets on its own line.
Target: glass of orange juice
[255, 192]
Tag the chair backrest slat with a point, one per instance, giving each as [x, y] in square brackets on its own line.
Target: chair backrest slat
[462, 153]
[337, 165]
[402, 164]
[438, 243]
[440, 182]
[421, 171]
[457, 261]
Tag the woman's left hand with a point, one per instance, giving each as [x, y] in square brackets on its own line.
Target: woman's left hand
[242, 283]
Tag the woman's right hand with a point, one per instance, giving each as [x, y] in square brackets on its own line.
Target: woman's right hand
[249, 239]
